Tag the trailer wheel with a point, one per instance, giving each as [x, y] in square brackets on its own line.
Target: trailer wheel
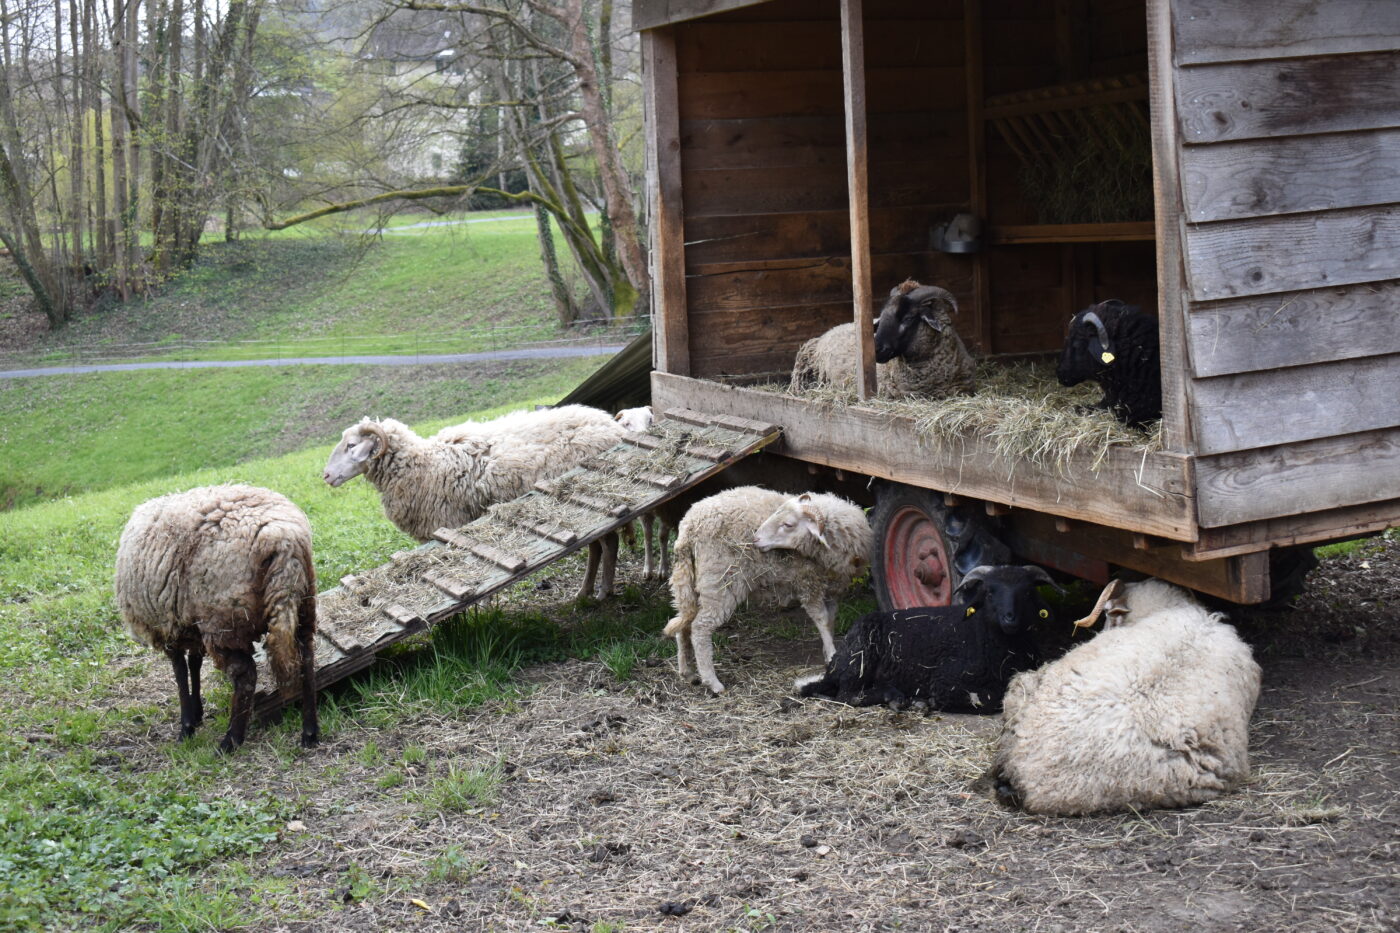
[913, 550]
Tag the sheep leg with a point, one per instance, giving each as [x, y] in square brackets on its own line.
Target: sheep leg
[594, 551]
[664, 539]
[702, 629]
[823, 615]
[648, 564]
[310, 725]
[683, 661]
[243, 673]
[188, 720]
[196, 661]
[609, 549]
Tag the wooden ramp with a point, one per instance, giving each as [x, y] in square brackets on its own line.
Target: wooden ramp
[417, 589]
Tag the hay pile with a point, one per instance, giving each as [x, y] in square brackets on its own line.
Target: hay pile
[1020, 409]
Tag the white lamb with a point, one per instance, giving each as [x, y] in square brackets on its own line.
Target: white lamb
[1151, 713]
[454, 476]
[755, 544]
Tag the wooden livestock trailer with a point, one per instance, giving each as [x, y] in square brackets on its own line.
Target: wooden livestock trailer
[801, 151]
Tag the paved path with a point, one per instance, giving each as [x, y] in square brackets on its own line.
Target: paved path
[528, 353]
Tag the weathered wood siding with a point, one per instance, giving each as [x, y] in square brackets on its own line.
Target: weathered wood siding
[763, 169]
[1290, 127]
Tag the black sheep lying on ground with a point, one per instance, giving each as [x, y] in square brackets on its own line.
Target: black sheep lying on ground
[957, 658]
[1115, 344]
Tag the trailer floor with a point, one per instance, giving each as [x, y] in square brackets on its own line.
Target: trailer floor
[755, 813]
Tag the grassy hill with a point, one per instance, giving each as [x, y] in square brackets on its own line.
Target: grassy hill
[460, 283]
[61, 435]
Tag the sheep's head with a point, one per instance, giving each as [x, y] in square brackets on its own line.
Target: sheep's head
[796, 522]
[910, 307]
[1005, 596]
[359, 444]
[635, 420]
[1091, 344]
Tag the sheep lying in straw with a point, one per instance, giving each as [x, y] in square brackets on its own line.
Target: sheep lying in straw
[753, 543]
[211, 571]
[919, 354]
[1151, 713]
[454, 476]
[957, 658]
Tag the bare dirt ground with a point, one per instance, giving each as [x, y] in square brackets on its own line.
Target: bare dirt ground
[648, 805]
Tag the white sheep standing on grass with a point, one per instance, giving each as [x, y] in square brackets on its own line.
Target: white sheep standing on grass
[1151, 713]
[453, 477]
[751, 543]
[213, 570]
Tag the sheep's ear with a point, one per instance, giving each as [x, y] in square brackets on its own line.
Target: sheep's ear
[938, 326]
[813, 522]
[362, 451]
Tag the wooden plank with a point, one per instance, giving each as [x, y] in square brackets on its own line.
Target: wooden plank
[799, 141]
[670, 332]
[453, 537]
[1240, 579]
[1295, 328]
[1258, 178]
[1253, 410]
[649, 14]
[1294, 252]
[858, 186]
[815, 92]
[1169, 222]
[558, 535]
[978, 205]
[1010, 234]
[1291, 479]
[453, 587]
[1148, 494]
[1309, 528]
[921, 177]
[1212, 31]
[401, 616]
[1292, 97]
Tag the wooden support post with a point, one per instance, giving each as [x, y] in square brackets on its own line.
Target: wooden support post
[976, 170]
[857, 177]
[670, 326]
[952, 501]
[996, 509]
[1141, 542]
[1063, 525]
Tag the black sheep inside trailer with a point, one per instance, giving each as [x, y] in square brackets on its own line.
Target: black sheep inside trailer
[1232, 172]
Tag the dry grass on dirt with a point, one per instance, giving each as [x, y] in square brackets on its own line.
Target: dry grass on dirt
[589, 803]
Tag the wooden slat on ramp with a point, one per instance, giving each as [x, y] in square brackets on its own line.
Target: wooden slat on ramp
[416, 589]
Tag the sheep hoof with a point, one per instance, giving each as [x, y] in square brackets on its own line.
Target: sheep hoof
[716, 688]
[310, 739]
[228, 745]
[187, 731]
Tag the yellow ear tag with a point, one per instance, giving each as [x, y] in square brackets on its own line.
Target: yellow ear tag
[1045, 613]
[970, 610]
[1107, 357]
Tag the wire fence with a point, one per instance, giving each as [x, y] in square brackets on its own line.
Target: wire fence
[344, 347]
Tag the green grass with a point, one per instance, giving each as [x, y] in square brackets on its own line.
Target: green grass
[83, 837]
[67, 435]
[328, 290]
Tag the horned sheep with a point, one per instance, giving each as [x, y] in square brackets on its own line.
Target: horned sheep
[1151, 713]
[957, 657]
[1115, 345]
[754, 544]
[213, 570]
[454, 476]
[917, 351]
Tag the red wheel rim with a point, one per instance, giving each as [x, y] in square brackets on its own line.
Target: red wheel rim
[916, 562]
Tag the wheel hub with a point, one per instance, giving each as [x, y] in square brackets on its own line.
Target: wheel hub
[916, 561]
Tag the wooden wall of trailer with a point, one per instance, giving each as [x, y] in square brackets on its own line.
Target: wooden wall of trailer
[1290, 164]
[1035, 287]
[763, 169]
